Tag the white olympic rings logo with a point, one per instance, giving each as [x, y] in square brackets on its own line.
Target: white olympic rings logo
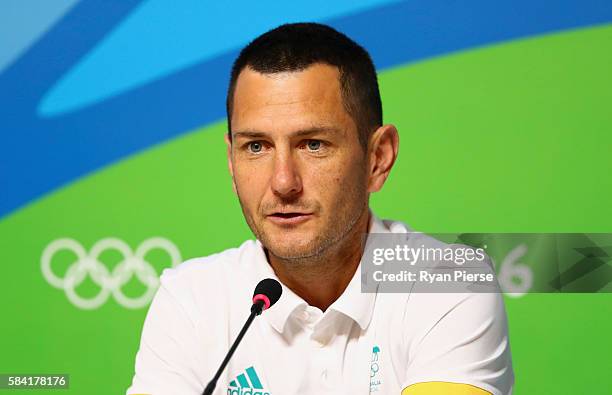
[110, 282]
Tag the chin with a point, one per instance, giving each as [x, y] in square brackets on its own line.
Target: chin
[291, 249]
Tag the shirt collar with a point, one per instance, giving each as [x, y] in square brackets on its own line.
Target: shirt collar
[278, 314]
[352, 303]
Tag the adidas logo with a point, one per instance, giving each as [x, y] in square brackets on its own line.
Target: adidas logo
[247, 386]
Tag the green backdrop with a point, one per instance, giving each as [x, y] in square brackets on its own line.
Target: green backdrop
[505, 138]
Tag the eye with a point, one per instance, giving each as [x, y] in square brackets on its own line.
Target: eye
[314, 145]
[255, 146]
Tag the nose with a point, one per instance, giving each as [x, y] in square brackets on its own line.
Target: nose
[286, 180]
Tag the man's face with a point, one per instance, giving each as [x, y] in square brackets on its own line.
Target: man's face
[297, 165]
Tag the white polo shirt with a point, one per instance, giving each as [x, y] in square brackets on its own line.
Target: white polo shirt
[363, 343]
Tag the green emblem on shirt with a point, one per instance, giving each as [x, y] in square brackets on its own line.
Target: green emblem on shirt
[248, 384]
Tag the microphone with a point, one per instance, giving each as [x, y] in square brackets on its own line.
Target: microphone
[267, 292]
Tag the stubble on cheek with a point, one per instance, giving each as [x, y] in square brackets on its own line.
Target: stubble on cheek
[350, 200]
[340, 201]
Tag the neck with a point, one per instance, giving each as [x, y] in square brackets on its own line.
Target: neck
[321, 279]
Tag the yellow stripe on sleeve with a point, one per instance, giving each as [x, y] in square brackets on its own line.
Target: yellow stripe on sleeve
[443, 388]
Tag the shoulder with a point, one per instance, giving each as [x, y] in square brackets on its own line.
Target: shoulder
[199, 278]
[206, 266]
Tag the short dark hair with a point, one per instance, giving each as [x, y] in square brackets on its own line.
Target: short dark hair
[295, 46]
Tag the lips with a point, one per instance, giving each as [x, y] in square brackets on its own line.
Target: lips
[289, 218]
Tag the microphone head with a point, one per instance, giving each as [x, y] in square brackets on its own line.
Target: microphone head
[268, 291]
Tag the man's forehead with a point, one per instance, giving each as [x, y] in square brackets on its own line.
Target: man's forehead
[310, 96]
[311, 131]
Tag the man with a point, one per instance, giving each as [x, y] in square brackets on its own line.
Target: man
[306, 146]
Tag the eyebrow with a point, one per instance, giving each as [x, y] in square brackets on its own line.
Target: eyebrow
[297, 133]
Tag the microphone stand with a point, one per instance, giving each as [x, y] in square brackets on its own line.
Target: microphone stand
[256, 310]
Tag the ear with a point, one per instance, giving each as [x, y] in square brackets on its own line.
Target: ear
[230, 167]
[382, 153]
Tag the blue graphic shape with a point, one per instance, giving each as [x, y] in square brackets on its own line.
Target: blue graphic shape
[24, 21]
[39, 155]
[243, 381]
[254, 378]
[160, 38]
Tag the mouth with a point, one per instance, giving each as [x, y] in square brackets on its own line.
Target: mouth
[285, 219]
